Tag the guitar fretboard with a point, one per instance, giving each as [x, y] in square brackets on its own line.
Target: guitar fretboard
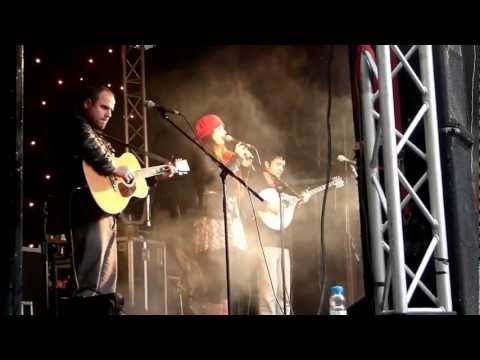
[322, 188]
[150, 171]
[317, 190]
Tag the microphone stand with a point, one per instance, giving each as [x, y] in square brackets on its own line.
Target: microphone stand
[279, 186]
[351, 164]
[224, 172]
[352, 167]
[282, 247]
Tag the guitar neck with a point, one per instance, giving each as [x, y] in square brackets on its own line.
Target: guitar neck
[320, 189]
[317, 190]
[150, 171]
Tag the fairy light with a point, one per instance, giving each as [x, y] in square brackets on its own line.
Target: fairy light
[44, 103]
[33, 143]
[47, 177]
[31, 204]
[110, 51]
[60, 82]
[81, 78]
[90, 61]
[38, 60]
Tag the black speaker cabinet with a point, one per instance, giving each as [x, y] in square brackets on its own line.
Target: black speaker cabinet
[457, 139]
[34, 299]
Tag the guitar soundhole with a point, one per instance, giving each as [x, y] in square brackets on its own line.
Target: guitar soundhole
[126, 190]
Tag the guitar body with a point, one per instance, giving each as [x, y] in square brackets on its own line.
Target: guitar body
[270, 195]
[272, 220]
[111, 193]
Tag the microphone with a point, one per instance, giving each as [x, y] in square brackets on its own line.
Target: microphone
[343, 158]
[149, 104]
[231, 139]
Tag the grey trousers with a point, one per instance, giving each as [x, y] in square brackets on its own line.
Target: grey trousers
[270, 293]
[95, 250]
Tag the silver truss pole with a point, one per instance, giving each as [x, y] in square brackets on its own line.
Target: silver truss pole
[134, 112]
[145, 131]
[435, 178]
[393, 269]
[395, 234]
[125, 97]
[371, 173]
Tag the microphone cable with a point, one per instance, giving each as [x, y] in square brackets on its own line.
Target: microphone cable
[188, 123]
[264, 258]
[329, 165]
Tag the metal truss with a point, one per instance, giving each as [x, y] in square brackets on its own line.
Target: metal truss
[134, 111]
[395, 282]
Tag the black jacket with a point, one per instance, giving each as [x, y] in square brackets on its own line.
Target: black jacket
[209, 186]
[73, 142]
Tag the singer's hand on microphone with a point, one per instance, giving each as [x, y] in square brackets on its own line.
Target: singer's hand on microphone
[241, 150]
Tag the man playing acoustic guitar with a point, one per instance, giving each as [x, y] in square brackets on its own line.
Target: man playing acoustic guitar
[92, 230]
[271, 294]
[269, 275]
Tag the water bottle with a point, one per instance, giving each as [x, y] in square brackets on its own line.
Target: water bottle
[337, 301]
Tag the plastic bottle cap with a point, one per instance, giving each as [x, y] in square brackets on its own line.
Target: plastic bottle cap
[337, 290]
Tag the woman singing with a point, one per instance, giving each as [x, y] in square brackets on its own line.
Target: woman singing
[209, 232]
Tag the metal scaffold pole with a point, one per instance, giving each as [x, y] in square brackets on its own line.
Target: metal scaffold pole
[395, 281]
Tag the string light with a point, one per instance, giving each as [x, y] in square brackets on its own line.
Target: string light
[60, 82]
[38, 60]
[47, 177]
[44, 103]
[33, 143]
[131, 116]
[81, 79]
[31, 204]
[121, 88]
[110, 50]
[90, 61]
[109, 85]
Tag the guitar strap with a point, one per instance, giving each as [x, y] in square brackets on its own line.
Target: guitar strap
[280, 183]
[157, 157]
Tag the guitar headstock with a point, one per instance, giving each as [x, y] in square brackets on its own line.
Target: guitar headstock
[337, 181]
[181, 166]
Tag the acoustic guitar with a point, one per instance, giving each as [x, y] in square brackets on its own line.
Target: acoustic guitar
[289, 204]
[112, 194]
